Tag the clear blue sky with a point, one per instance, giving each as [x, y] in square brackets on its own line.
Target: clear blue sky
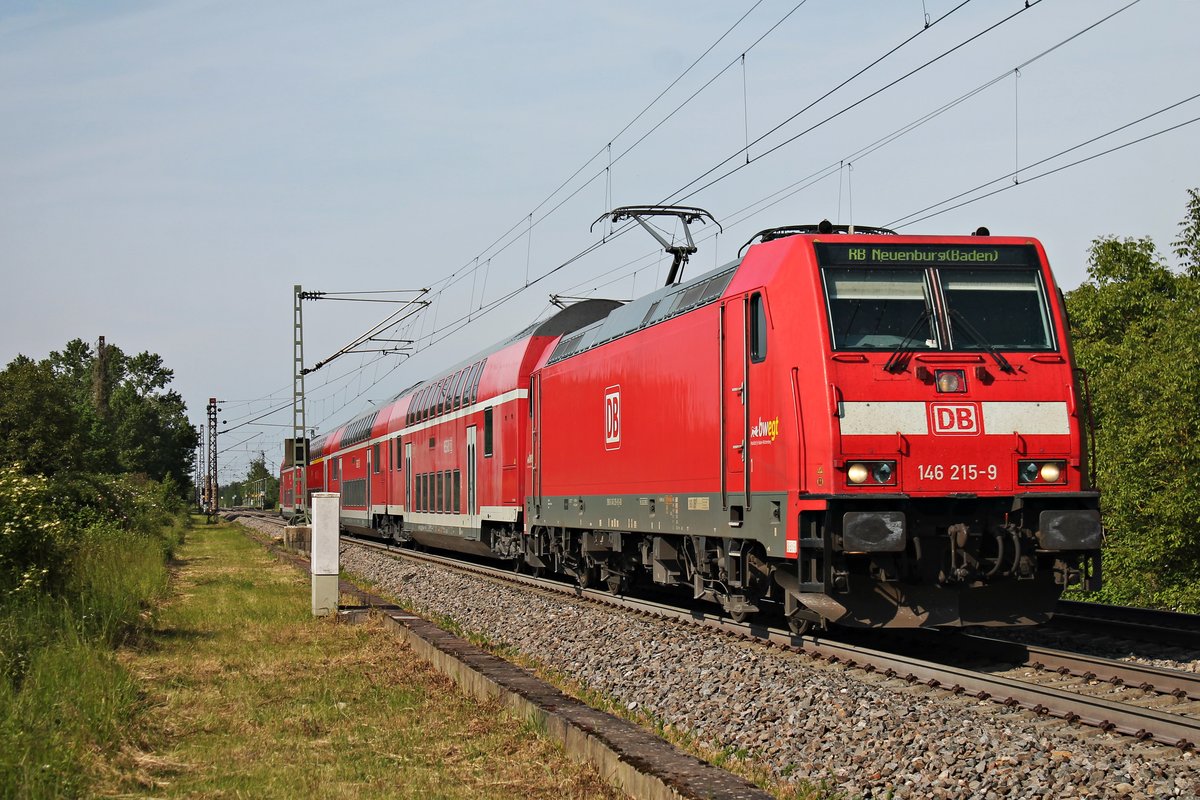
[168, 171]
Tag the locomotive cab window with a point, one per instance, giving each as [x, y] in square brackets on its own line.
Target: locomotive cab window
[758, 329]
[879, 308]
[1005, 309]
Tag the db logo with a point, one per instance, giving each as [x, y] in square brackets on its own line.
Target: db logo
[954, 420]
[612, 418]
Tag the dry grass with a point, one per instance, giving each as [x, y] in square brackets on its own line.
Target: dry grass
[247, 696]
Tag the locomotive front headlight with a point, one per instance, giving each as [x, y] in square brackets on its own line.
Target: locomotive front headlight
[950, 381]
[883, 471]
[1050, 472]
[1027, 471]
[857, 473]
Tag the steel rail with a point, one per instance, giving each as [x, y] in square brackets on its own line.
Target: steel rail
[1146, 677]
[1107, 715]
[1139, 624]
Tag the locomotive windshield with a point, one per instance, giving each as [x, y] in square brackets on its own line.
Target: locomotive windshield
[879, 308]
[935, 297]
[1005, 309]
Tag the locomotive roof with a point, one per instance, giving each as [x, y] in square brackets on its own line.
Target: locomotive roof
[652, 309]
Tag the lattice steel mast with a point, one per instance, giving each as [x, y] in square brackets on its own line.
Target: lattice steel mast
[213, 486]
[299, 427]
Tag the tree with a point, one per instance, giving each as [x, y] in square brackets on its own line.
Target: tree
[97, 411]
[39, 426]
[1136, 327]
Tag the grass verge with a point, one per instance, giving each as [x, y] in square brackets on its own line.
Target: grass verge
[247, 695]
[65, 701]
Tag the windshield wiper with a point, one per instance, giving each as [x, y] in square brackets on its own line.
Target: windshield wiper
[895, 362]
[1000, 360]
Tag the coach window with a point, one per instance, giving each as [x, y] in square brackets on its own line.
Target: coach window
[476, 374]
[457, 491]
[337, 469]
[441, 490]
[375, 458]
[758, 329]
[487, 433]
[456, 392]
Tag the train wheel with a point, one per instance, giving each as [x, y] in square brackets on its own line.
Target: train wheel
[615, 583]
[589, 577]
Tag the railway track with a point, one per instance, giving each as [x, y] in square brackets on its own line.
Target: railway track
[1137, 624]
[1143, 702]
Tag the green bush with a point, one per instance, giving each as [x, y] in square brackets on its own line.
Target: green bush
[32, 536]
[81, 560]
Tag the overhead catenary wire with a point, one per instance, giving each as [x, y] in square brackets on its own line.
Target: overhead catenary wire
[438, 332]
[679, 196]
[530, 220]
[756, 207]
[491, 250]
[1048, 172]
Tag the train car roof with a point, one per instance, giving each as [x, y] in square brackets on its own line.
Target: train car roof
[571, 318]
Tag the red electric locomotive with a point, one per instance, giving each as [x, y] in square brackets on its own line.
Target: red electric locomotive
[854, 427]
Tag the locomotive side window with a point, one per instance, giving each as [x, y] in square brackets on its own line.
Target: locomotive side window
[487, 433]
[1003, 308]
[758, 329]
[879, 308]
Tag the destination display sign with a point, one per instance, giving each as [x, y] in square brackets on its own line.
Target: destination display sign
[925, 255]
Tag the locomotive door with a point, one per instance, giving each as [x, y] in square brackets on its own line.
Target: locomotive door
[734, 323]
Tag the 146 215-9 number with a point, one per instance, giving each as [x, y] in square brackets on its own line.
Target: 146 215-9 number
[956, 472]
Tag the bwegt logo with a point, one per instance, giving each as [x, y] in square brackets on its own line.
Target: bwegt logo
[960, 419]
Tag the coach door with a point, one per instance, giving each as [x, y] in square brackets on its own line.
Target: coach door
[408, 477]
[734, 319]
[472, 509]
